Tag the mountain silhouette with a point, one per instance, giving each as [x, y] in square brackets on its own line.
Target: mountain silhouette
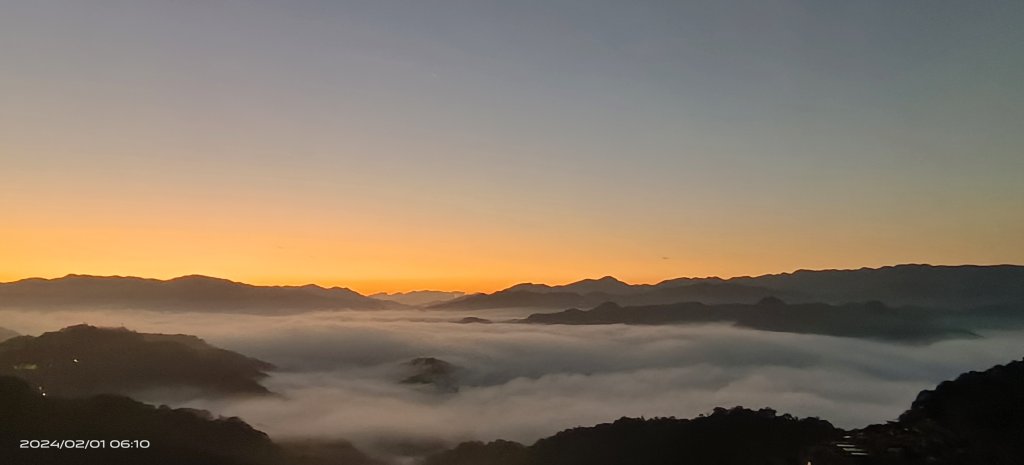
[518, 298]
[698, 292]
[176, 436]
[864, 320]
[434, 372]
[945, 287]
[607, 285]
[187, 293]
[419, 298]
[473, 319]
[84, 360]
[919, 285]
[727, 436]
[978, 418]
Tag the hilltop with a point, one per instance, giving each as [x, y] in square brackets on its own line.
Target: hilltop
[84, 360]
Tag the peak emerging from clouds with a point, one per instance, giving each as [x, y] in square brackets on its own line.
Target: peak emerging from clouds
[86, 360]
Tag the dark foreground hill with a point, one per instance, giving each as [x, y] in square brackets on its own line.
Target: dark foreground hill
[976, 419]
[173, 436]
[726, 437]
[865, 320]
[84, 360]
[946, 287]
[187, 293]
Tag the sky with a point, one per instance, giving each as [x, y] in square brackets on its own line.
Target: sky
[390, 146]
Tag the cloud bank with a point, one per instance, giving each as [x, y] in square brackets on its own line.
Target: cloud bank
[339, 371]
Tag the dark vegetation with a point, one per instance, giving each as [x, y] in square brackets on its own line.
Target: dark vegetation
[734, 436]
[976, 419]
[177, 435]
[84, 360]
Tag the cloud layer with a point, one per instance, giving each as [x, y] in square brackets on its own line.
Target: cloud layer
[339, 372]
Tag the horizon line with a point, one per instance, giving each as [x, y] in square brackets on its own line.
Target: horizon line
[604, 277]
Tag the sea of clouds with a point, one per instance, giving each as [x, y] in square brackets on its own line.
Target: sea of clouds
[338, 372]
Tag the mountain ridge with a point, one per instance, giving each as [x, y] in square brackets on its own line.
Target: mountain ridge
[872, 320]
[183, 293]
[940, 286]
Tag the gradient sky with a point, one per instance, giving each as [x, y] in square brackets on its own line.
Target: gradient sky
[473, 144]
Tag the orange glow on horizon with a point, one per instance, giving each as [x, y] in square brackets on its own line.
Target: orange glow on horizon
[269, 238]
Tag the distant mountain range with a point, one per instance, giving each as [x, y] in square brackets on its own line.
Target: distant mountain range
[84, 360]
[865, 320]
[187, 293]
[419, 298]
[517, 296]
[965, 286]
[976, 419]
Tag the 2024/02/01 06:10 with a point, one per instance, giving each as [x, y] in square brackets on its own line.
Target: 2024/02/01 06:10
[85, 444]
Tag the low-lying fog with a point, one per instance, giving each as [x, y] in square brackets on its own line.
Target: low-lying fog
[339, 371]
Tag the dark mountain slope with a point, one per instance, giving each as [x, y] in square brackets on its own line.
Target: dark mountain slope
[175, 436]
[977, 418]
[84, 360]
[983, 404]
[920, 285]
[736, 436]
